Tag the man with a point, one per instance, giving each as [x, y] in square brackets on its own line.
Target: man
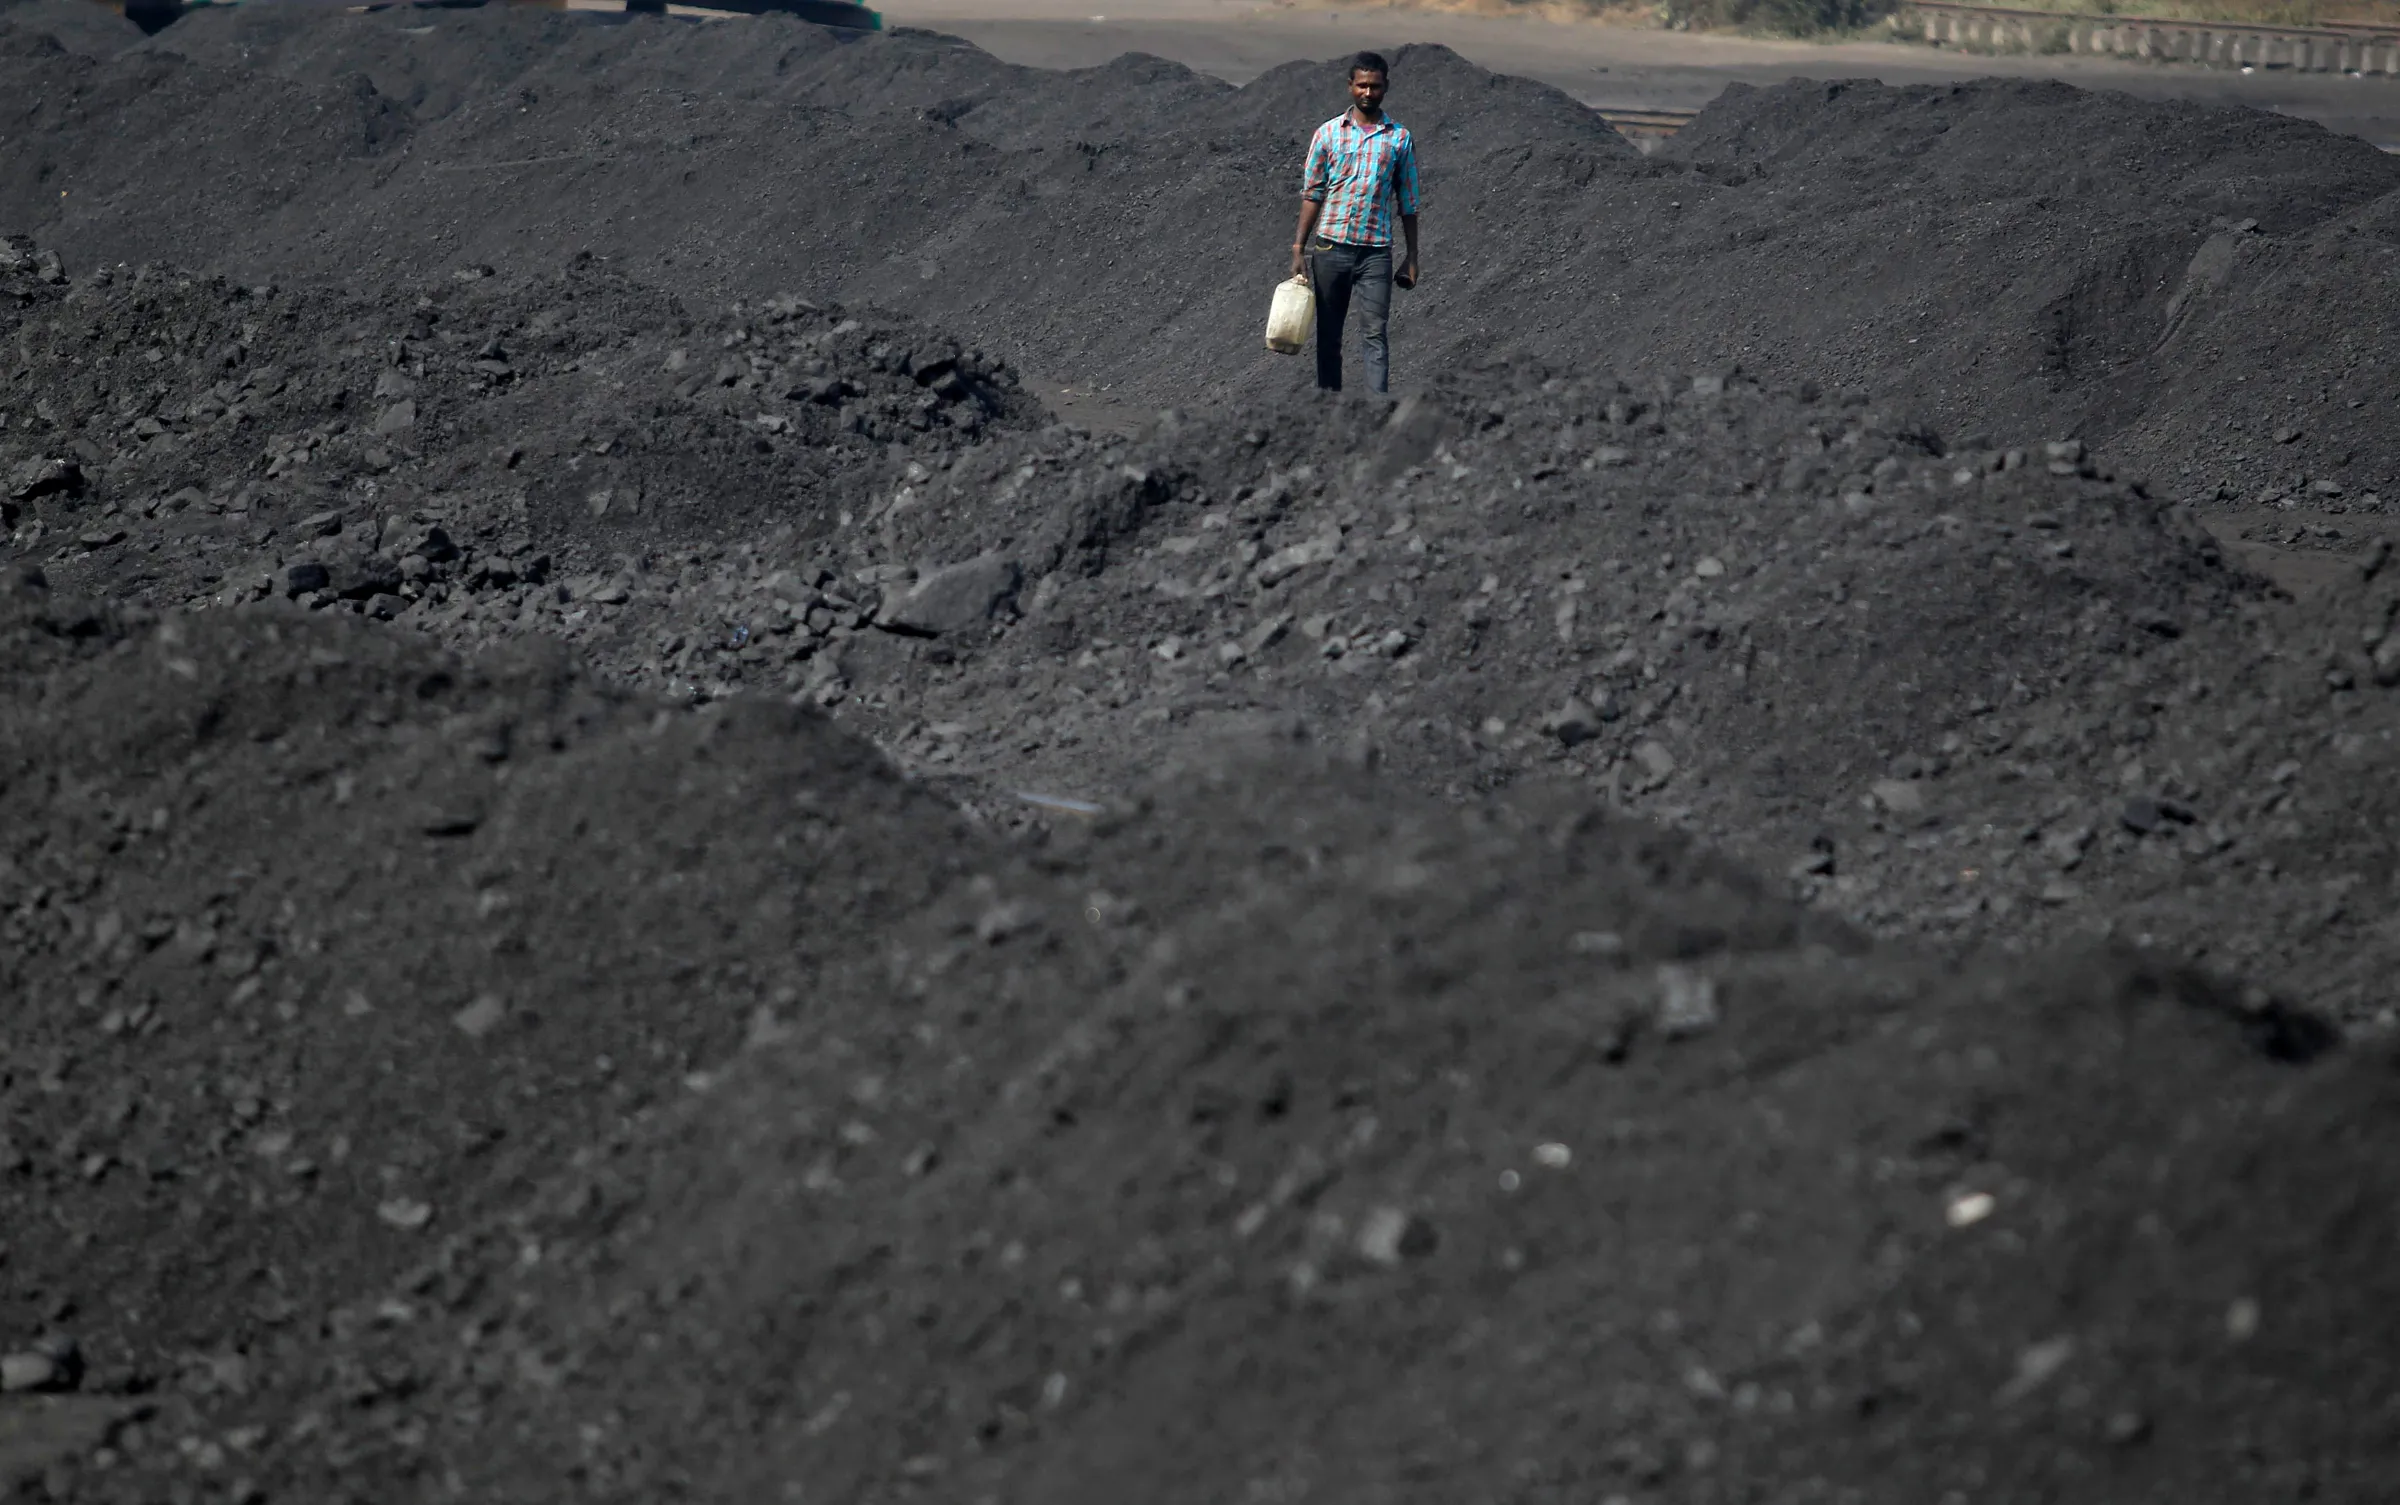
[1360, 164]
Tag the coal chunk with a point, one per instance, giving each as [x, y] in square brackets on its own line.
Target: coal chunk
[954, 598]
[46, 476]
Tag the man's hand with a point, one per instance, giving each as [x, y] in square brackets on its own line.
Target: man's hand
[1307, 227]
[1407, 275]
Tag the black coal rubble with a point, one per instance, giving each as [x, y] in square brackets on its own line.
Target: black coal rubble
[1022, 606]
[377, 457]
[492, 1080]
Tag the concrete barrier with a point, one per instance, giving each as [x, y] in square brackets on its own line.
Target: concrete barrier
[2210, 44]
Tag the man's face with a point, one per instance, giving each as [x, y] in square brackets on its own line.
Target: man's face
[1366, 92]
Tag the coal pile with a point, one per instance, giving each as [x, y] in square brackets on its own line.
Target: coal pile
[299, 443]
[1968, 689]
[2018, 257]
[998, 1178]
[87, 29]
[1989, 694]
[639, 878]
[199, 989]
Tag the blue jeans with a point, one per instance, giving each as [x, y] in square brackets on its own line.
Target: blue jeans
[1336, 271]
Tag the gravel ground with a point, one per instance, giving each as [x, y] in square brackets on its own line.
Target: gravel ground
[636, 880]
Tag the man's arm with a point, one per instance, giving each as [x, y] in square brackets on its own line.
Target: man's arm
[1309, 209]
[1314, 184]
[1406, 276]
[1404, 189]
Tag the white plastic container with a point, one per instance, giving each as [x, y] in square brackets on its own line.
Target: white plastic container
[1291, 317]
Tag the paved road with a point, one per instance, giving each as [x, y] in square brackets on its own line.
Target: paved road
[1615, 66]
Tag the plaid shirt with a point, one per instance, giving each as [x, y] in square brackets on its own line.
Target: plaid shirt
[1356, 172]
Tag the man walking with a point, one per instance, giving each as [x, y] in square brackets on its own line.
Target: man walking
[1360, 164]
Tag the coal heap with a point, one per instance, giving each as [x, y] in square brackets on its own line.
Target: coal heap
[635, 877]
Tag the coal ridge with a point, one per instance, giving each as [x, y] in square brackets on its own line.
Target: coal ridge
[2005, 250]
[997, 960]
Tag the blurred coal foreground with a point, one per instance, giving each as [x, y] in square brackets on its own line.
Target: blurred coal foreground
[632, 874]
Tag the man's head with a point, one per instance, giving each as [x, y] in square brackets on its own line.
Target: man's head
[1368, 72]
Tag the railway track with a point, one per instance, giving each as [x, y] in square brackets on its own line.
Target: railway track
[2331, 48]
[1646, 125]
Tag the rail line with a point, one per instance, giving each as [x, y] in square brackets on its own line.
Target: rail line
[1651, 126]
[1641, 125]
[2334, 47]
